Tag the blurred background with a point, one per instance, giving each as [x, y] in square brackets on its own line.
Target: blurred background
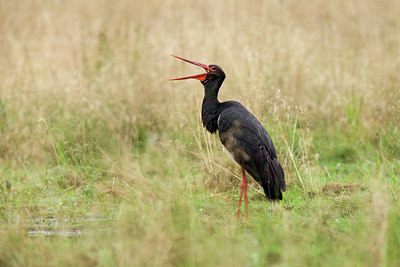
[336, 62]
[90, 127]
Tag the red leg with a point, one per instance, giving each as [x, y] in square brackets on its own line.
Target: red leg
[243, 187]
[240, 201]
[245, 192]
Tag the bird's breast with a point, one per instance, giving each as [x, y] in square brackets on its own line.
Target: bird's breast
[229, 154]
[231, 139]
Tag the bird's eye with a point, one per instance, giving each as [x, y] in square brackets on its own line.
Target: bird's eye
[213, 68]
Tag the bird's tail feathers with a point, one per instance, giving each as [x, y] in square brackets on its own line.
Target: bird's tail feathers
[273, 178]
[279, 174]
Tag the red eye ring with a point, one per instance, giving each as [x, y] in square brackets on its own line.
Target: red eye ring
[213, 68]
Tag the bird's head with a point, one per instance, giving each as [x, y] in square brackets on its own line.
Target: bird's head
[213, 73]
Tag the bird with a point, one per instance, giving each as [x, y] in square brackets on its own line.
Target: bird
[242, 135]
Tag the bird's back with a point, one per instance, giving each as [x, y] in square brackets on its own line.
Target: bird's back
[251, 147]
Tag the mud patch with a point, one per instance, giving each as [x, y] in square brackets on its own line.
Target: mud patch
[337, 189]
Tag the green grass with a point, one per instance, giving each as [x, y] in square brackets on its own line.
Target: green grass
[105, 163]
[133, 213]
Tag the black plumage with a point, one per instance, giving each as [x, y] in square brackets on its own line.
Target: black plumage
[241, 134]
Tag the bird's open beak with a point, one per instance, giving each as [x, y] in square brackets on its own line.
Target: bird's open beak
[200, 77]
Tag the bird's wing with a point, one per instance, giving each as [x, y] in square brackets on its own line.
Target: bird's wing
[251, 146]
[238, 115]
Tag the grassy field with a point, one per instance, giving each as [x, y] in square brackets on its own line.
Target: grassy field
[104, 162]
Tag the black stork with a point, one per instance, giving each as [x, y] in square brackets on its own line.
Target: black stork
[241, 134]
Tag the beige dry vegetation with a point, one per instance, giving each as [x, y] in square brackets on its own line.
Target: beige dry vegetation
[90, 126]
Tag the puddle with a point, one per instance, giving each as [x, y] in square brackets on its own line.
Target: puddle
[34, 226]
[82, 220]
[55, 233]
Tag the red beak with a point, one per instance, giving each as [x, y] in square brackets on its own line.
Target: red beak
[200, 77]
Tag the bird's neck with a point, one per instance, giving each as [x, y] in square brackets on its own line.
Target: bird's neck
[211, 108]
[211, 88]
[209, 114]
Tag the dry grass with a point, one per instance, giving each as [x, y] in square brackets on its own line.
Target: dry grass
[88, 120]
[63, 59]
